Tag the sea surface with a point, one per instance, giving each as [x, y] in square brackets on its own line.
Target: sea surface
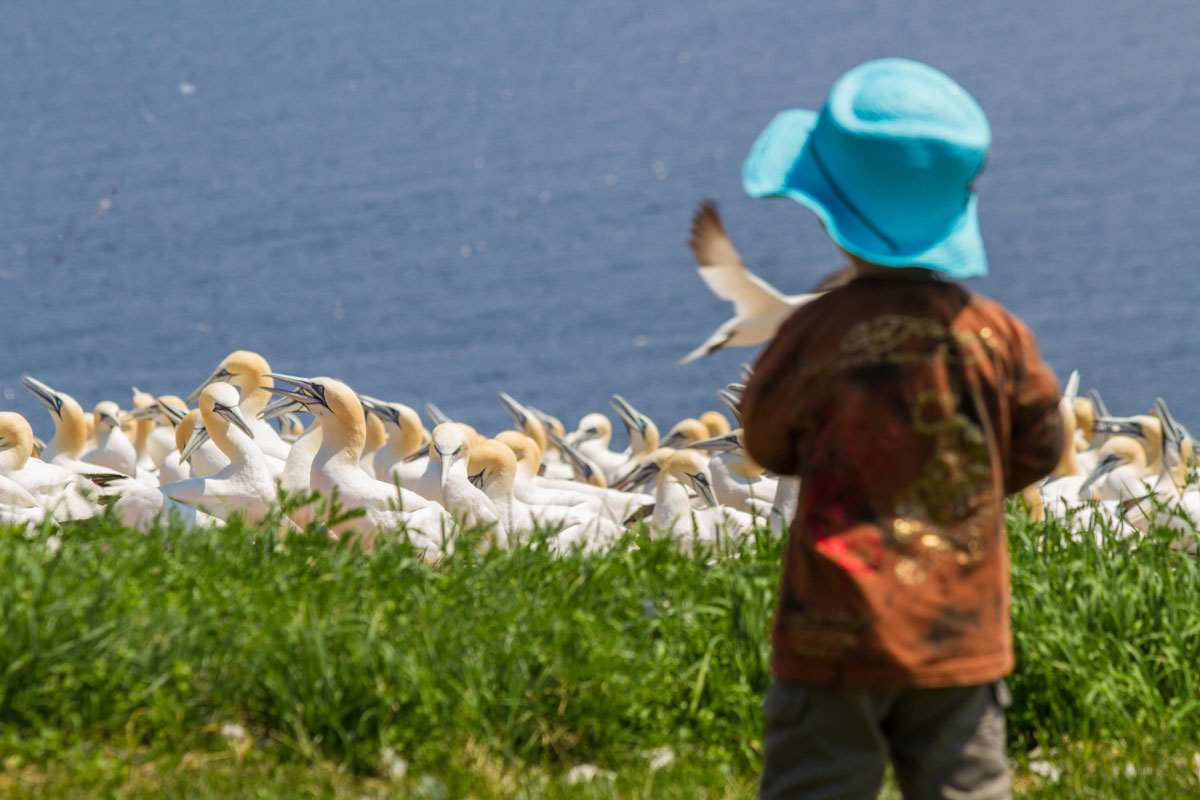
[440, 201]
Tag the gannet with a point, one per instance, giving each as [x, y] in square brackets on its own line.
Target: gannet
[1066, 408]
[246, 486]
[673, 511]
[161, 446]
[643, 436]
[1174, 501]
[70, 434]
[758, 307]
[1085, 421]
[531, 425]
[716, 423]
[32, 482]
[494, 468]
[403, 427]
[294, 479]
[248, 371]
[684, 433]
[113, 448]
[335, 468]
[376, 438]
[737, 481]
[528, 461]
[204, 457]
[583, 468]
[290, 427]
[1121, 472]
[592, 438]
[449, 455]
[144, 419]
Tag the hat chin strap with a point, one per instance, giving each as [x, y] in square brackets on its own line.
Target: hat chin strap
[837, 190]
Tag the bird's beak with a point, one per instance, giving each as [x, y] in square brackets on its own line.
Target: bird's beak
[721, 444]
[1171, 426]
[221, 374]
[234, 416]
[1106, 466]
[145, 412]
[173, 413]
[199, 437]
[380, 408]
[1072, 389]
[445, 462]
[548, 422]
[641, 475]
[516, 411]
[420, 452]
[434, 413]
[633, 419]
[477, 480]
[673, 440]
[306, 392]
[280, 407]
[700, 483]
[50, 398]
[578, 463]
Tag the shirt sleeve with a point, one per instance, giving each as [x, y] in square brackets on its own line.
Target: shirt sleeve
[773, 407]
[1038, 436]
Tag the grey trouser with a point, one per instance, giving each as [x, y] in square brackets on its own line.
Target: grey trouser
[833, 744]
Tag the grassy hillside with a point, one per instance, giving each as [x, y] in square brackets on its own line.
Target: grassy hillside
[226, 662]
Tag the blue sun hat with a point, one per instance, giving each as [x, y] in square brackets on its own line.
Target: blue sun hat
[887, 165]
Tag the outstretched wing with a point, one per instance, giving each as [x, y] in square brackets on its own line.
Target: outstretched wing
[722, 269]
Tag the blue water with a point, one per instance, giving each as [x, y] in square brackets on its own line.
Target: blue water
[439, 201]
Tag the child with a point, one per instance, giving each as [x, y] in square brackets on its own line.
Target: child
[909, 407]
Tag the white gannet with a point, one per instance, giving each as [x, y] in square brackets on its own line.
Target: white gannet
[247, 371]
[684, 433]
[494, 469]
[32, 483]
[449, 455]
[70, 434]
[404, 438]
[643, 437]
[205, 458]
[294, 478]
[530, 424]
[737, 481]
[716, 423]
[113, 448]
[162, 444]
[376, 438]
[583, 469]
[143, 418]
[758, 307]
[246, 485]
[529, 459]
[592, 438]
[673, 511]
[335, 467]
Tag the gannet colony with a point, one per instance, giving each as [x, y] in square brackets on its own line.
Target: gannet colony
[155, 458]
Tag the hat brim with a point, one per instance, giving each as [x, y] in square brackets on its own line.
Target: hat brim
[781, 164]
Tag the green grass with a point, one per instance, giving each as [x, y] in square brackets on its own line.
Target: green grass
[493, 674]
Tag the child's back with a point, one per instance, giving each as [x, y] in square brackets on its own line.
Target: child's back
[909, 408]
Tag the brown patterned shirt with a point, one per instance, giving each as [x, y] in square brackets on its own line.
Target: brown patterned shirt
[909, 409]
